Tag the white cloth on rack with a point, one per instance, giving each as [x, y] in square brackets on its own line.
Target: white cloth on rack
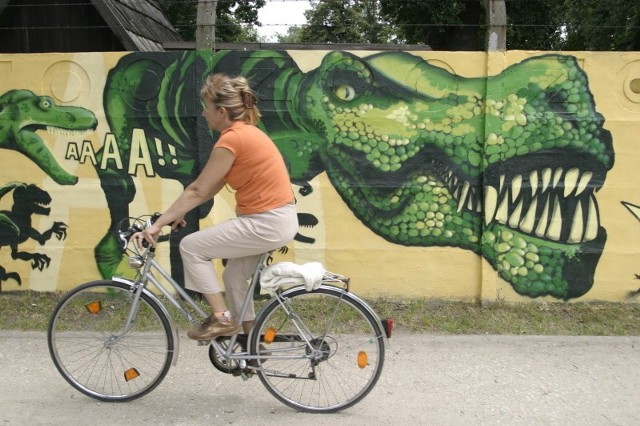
[288, 274]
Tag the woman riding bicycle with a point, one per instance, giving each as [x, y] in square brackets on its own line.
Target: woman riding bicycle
[248, 161]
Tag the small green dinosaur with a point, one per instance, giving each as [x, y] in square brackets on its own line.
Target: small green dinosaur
[22, 114]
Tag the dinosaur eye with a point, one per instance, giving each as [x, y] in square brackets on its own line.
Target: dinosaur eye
[45, 103]
[345, 92]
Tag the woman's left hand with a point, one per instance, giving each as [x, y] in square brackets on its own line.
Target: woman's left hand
[177, 224]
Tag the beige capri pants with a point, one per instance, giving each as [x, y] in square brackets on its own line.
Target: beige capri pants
[241, 241]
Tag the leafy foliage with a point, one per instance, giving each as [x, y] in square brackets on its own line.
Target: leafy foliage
[602, 25]
[293, 35]
[348, 21]
[235, 19]
[443, 25]
[573, 24]
[534, 25]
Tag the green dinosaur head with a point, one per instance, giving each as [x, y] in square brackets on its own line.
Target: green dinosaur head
[22, 114]
[506, 166]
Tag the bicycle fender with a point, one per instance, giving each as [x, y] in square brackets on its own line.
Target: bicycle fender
[339, 290]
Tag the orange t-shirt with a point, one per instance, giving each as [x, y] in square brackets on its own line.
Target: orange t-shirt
[258, 174]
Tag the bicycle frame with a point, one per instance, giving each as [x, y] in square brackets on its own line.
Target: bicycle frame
[149, 265]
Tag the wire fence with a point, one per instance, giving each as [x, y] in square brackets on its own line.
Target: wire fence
[270, 26]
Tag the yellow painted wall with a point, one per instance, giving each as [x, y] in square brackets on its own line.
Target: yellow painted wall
[343, 243]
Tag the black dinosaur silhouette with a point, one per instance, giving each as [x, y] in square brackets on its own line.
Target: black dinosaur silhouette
[15, 226]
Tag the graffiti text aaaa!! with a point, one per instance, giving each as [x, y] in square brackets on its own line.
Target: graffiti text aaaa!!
[111, 157]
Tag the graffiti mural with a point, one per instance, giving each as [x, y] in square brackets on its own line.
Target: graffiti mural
[505, 165]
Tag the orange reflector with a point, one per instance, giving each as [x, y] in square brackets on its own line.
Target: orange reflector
[269, 335]
[131, 374]
[363, 359]
[94, 307]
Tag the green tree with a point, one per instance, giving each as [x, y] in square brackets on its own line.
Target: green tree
[182, 15]
[293, 35]
[535, 25]
[376, 28]
[573, 24]
[602, 25]
[344, 21]
[443, 25]
[235, 19]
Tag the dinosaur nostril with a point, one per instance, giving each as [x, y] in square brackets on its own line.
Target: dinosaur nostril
[71, 118]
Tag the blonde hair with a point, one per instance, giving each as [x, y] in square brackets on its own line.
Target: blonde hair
[234, 94]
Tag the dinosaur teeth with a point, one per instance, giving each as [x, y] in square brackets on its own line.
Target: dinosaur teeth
[542, 222]
[546, 178]
[555, 223]
[490, 203]
[560, 205]
[593, 222]
[556, 176]
[571, 181]
[533, 182]
[502, 215]
[516, 185]
[577, 226]
[584, 181]
[57, 131]
[514, 218]
[463, 196]
[529, 219]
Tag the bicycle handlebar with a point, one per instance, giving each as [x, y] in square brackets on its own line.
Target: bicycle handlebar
[125, 236]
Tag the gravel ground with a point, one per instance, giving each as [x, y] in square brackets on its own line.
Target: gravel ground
[430, 380]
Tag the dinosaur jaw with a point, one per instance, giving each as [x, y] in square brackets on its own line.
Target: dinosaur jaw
[541, 225]
[538, 227]
[32, 145]
[544, 239]
[41, 209]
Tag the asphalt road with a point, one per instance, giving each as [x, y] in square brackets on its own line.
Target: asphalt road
[427, 380]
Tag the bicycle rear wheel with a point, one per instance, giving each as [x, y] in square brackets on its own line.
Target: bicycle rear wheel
[327, 349]
[90, 349]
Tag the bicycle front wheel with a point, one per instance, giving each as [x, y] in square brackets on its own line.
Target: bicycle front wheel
[96, 355]
[325, 349]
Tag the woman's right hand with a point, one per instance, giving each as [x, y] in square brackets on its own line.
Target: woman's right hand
[149, 235]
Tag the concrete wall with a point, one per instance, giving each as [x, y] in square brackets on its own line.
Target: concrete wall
[507, 175]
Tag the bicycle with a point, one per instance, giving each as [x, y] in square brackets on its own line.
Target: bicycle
[315, 351]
